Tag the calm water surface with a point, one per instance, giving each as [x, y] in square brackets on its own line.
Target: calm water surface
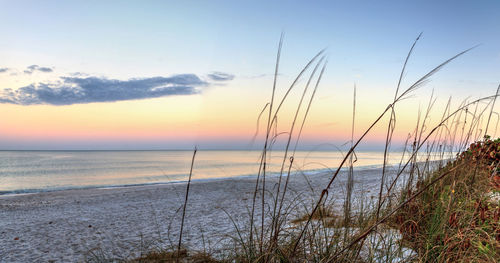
[35, 171]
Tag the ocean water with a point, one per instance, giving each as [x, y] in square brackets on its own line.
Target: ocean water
[36, 171]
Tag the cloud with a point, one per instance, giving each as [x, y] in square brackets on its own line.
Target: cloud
[258, 76]
[220, 76]
[34, 68]
[2, 70]
[78, 74]
[80, 90]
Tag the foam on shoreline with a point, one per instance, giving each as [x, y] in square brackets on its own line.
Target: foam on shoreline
[111, 186]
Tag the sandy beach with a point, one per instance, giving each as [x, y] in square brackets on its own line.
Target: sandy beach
[71, 226]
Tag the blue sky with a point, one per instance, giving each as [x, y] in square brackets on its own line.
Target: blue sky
[367, 42]
[233, 35]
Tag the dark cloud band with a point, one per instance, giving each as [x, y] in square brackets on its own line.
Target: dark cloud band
[78, 90]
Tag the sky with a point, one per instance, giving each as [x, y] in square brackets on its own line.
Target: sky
[175, 74]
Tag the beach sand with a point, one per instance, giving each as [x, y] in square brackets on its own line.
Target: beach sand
[76, 225]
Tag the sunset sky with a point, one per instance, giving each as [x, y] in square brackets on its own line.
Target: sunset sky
[174, 74]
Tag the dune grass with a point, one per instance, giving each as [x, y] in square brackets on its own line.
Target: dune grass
[430, 208]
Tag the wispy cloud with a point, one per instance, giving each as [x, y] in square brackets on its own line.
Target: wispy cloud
[220, 76]
[78, 74]
[79, 90]
[2, 70]
[33, 68]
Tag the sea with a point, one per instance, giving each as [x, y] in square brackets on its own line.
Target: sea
[24, 172]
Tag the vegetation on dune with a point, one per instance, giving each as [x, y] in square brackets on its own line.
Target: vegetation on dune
[457, 219]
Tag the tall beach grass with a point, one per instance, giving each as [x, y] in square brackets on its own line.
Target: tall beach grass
[431, 207]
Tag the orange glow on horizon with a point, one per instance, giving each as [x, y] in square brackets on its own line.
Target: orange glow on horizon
[219, 114]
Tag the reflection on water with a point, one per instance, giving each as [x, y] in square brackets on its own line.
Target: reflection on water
[32, 171]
